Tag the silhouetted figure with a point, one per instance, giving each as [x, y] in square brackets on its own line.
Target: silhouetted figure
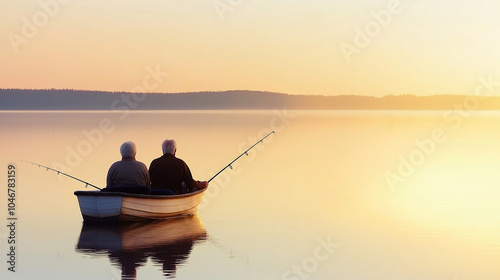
[170, 256]
[172, 174]
[129, 261]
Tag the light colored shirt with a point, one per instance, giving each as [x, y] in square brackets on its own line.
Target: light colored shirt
[128, 172]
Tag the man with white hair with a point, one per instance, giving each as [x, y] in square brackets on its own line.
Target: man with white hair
[127, 172]
[171, 174]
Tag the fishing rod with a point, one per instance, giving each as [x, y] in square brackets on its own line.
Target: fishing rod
[244, 153]
[60, 172]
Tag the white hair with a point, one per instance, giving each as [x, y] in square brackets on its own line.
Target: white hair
[169, 146]
[128, 149]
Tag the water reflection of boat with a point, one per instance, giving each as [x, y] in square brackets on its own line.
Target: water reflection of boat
[168, 243]
[116, 206]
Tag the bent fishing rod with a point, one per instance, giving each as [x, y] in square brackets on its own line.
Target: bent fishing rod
[244, 153]
[60, 172]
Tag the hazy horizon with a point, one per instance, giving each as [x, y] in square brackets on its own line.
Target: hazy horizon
[372, 48]
[17, 99]
[383, 164]
[246, 90]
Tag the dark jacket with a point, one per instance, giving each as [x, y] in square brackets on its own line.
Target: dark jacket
[169, 172]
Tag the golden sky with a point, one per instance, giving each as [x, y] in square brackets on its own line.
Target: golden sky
[328, 47]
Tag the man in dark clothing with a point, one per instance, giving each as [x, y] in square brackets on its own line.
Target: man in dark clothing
[171, 173]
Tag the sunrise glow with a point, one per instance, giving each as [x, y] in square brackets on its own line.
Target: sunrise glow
[297, 47]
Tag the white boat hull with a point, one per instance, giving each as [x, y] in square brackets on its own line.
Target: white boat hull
[98, 206]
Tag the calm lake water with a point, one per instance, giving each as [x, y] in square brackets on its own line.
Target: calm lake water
[354, 195]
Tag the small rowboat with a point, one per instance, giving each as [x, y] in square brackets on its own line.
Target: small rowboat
[109, 206]
[99, 206]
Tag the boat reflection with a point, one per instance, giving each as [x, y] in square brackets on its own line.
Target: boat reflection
[167, 243]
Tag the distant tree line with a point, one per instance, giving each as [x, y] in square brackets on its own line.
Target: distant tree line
[68, 99]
